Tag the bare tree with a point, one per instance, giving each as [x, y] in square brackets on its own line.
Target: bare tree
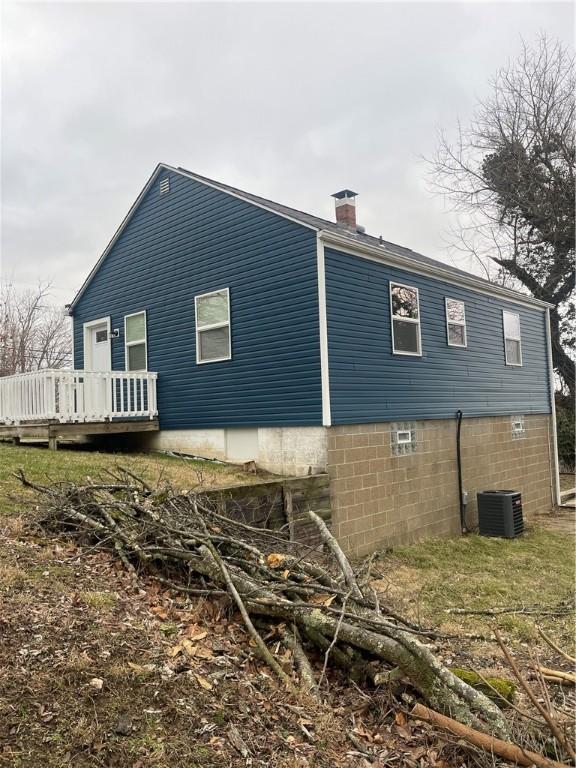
[510, 174]
[33, 333]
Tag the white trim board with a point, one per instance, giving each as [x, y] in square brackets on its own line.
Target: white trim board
[380, 253]
[144, 341]
[214, 326]
[418, 321]
[115, 237]
[441, 273]
[556, 498]
[323, 320]
[86, 340]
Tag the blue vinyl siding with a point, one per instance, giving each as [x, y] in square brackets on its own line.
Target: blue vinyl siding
[368, 383]
[197, 239]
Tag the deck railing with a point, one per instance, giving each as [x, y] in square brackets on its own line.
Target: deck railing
[76, 396]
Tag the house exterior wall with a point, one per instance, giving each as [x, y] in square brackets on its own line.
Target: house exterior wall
[368, 383]
[281, 450]
[193, 240]
[381, 500]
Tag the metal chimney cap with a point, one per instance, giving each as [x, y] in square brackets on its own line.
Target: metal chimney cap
[344, 193]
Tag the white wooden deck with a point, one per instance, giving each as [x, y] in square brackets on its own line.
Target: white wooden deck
[53, 403]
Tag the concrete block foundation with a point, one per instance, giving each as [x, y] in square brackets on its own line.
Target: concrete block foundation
[382, 495]
[380, 499]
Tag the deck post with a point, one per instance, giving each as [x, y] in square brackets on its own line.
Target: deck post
[15, 441]
[52, 441]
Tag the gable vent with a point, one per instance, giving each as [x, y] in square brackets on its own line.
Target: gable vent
[165, 186]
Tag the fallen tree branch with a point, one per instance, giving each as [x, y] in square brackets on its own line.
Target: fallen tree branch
[180, 538]
[555, 730]
[554, 647]
[561, 610]
[341, 559]
[493, 746]
[209, 549]
[291, 640]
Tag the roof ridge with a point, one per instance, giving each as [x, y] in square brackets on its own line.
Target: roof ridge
[254, 196]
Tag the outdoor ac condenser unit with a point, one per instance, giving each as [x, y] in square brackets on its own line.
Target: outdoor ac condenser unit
[500, 514]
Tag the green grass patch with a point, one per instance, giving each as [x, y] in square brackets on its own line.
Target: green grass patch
[75, 464]
[481, 573]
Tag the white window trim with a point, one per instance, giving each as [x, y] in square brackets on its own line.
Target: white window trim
[453, 322]
[87, 351]
[512, 338]
[407, 319]
[134, 343]
[404, 436]
[212, 327]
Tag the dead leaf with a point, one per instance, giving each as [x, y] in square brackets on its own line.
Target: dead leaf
[275, 560]
[204, 683]
[96, 683]
[400, 718]
[321, 598]
[193, 632]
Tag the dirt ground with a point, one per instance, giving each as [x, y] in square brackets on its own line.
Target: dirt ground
[96, 671]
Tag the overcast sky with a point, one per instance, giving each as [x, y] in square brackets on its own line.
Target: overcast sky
[289, 101]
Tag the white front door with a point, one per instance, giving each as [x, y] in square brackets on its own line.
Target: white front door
[95, 394]
[98, 357]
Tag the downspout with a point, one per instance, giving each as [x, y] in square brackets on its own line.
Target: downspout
[556, 499]
[461, 497]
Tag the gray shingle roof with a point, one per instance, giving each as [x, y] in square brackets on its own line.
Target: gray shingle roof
[331, 226]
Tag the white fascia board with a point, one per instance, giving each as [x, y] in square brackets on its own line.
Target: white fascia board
[381, 254]
[164, 167]
[240, 196]
[117, 234]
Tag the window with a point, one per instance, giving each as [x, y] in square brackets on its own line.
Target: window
[512, 339]
[101, 337]
[518, 427]
[213, 326]
[405, 320]
[403, 438]
[135, 342]
[456, 323]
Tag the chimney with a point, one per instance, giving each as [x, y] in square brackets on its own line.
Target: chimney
[346, 209]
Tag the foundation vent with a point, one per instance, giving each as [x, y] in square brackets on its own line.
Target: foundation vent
[500, 514]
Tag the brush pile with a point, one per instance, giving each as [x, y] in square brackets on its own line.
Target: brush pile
[184, 541]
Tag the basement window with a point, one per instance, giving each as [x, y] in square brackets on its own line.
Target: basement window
[403, 438]
[512, 338]
[405, 312]
[213, 326]
[518, 427]
[456, 323]
[165, 185]
[135, 345]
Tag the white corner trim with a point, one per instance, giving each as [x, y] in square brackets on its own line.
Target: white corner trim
[324, 363]
[72, 335]
[556, 468]
[442, 273]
